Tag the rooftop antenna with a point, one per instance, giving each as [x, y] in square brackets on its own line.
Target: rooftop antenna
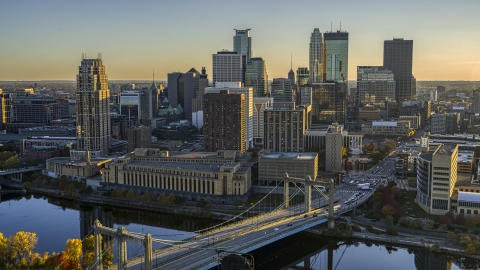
[153, 75]
[331, 27]
[291, 61]
[340, 26]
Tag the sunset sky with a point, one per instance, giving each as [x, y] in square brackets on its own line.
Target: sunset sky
[44, 40]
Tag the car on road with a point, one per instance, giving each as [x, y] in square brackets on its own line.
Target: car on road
[276, 229]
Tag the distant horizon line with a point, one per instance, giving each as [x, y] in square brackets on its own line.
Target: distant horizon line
[150, 80]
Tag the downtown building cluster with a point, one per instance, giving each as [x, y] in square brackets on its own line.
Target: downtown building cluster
[287, 121]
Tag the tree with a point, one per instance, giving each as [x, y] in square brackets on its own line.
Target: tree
[344, 151]
[22, 244]
[73, 248]
[465, 240]
[13, 162]
[3, 250]
[388, 210]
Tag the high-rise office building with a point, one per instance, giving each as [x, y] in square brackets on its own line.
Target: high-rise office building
[224, 121]
[260, 104]
[397, 56]
[182, 88]
[284, 127]
[316, 57]
[248, 108]
[256, 76]
[242, 44]
[375, 84]
[283, 90]
[197, 102]
[227, 67]
[134, 104]
[476, 101]
[329, 103]
[336, 47]
[93, 109]
[302, 76]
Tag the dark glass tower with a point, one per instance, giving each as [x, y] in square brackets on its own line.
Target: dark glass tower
[397, 56]
[328, 103]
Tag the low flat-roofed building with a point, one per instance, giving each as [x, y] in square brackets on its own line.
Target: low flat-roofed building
[465, 161]
[74, 169]
[468, 203]
[273, 166]
[388, 128]
[223, 175]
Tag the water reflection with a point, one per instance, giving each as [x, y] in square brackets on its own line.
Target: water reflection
[308, 251]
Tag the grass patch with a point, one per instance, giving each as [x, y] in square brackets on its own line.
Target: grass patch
[414, 210]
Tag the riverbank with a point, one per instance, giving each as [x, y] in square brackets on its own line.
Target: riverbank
[96, 198]
[428, 240]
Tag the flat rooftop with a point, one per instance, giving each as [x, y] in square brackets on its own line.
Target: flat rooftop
[306, 156]
[465, 156]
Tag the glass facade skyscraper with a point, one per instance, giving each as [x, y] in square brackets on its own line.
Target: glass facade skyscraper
[329, 102]
[256, 76]
[316, 56]
[375, 84]
[242, 43]
[336, 43]
[283, 90]
[397, 56]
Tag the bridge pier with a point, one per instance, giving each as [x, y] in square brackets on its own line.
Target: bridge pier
[331, 201]
[286, 192]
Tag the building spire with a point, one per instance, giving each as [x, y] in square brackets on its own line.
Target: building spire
[331, 27]
[153, 76]
[291, 66]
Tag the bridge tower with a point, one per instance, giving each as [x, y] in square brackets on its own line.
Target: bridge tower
[331, 219]
[121, 235]
[307, 190]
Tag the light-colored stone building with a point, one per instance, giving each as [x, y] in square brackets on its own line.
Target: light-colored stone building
[191, 175]
[436, 178]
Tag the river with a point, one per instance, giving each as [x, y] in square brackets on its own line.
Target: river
[56, 221]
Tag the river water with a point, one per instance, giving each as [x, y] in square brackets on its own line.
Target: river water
[56, 221]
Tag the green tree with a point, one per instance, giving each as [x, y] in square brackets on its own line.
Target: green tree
[470, 249]
[12, 162]
[429, 225]
[465, 240]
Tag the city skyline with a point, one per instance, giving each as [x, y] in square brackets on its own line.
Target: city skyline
[45, 41]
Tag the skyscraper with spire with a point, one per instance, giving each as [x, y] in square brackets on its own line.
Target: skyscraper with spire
[291, 73]
[316, 57]
[93, 109]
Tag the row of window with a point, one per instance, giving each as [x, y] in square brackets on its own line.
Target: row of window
[173, 183]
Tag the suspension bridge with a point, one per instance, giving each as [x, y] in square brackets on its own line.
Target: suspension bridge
[257, 226]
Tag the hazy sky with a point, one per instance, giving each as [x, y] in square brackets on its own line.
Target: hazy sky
[43, 40]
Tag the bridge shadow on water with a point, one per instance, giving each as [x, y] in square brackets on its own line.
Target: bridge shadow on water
[310, 251]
